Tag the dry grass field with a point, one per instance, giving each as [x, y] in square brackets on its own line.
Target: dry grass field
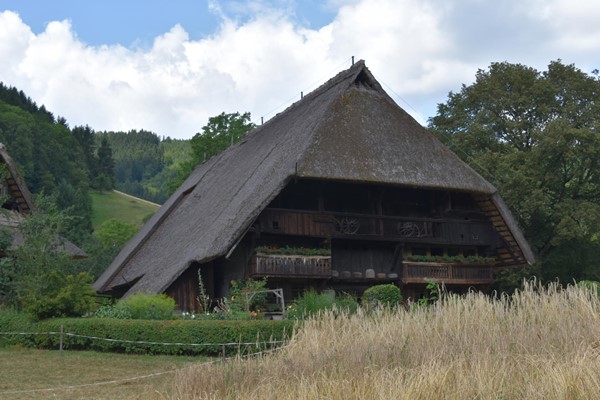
[29, 373]
[537, 344]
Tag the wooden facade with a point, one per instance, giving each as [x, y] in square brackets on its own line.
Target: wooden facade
[370, 230]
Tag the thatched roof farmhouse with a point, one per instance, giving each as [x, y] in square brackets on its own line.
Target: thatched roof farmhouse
[343, 169]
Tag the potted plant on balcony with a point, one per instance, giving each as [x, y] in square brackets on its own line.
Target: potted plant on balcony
[478, 260]
[293, 251]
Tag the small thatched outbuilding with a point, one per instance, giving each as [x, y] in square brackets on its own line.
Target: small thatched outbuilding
[344, 170]
[17, 204]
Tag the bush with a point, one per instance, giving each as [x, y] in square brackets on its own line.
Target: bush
[14, 321]
[310, 304]
[387, 295]
[112, 311]
[152, 332]
[345, 303]
[147, 306]
[61, 296]
[239, 294]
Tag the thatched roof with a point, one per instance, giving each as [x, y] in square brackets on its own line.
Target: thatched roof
[18, 191]
[348, 129]
[21, 204]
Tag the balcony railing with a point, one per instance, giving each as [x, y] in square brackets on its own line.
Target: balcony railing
[348, 225]
[421, 272]
[291, 266]
[319, 267]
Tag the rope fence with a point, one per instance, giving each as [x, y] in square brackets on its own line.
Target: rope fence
[223, 358]
[62, 335]
[131, 378]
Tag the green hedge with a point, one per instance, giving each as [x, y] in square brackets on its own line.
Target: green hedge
[13, 321]
[154, 331]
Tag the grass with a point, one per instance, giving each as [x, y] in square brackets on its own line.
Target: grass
[106, 205]
[28, 369]
[541, 343]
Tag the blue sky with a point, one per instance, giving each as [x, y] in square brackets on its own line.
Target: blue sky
[168, 66]
[137, 23]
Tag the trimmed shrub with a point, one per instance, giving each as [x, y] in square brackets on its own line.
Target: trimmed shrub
[387, 295]
[147, 306]
[14, 321]
[154, 332]
[85, 330]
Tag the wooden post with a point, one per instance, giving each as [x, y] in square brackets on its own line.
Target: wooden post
[60, 344]
[223, 346]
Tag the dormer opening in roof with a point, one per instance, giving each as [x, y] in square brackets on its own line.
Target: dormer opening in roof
[364, 81]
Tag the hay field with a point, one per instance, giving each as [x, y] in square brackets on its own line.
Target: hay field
[541, 343]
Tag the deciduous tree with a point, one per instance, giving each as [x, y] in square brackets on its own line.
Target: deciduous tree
[536, 136]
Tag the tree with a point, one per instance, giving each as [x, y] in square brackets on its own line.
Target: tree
[48, 154]
[105, 180]
[86, 138]
[535, 136]
[38, 275]
[220, 132]
[114, 233]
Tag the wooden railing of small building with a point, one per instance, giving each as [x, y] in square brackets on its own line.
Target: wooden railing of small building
[449, 273]
[290, 266]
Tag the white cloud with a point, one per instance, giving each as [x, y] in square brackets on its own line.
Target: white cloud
[574, 22]
[420, 49]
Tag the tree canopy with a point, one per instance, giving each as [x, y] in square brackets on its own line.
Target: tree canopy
[535, 136]
[220, 132]
[49, 155]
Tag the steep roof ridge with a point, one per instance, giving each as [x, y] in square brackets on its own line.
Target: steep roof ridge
[353, 71]
[189, 186]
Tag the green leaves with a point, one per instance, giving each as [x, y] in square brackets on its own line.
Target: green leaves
[535, 136]
[61, 295]
[386, 295]
[219, 133]
[114, 233]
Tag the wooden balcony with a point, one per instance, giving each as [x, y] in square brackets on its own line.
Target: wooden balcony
[376, 227]
[457, 273]
[290, 266]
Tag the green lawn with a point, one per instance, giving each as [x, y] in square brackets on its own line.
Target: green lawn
[106, 205]
[29, 370]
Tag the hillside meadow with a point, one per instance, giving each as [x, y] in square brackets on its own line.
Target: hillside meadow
[125, 208]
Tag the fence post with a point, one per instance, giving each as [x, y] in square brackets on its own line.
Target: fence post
[60, 345]
[223, 346]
